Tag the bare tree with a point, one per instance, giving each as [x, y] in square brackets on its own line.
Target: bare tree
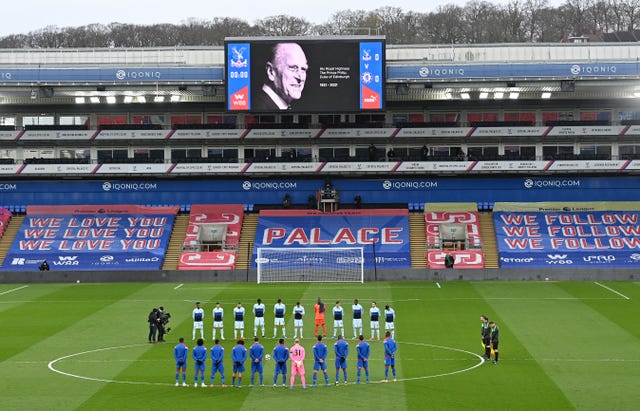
[282, 25]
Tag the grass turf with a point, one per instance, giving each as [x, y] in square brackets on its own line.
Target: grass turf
[564, 345]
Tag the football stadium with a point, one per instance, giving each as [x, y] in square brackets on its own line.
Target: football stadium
[432, 184]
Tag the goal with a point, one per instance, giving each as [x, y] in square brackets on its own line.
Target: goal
[310, 264]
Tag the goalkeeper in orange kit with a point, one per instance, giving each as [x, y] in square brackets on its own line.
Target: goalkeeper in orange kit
[320, 309]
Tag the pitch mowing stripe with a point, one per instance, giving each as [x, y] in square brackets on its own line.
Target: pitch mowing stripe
[568, 331]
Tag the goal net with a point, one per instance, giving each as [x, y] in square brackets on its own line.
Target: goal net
[311, 264]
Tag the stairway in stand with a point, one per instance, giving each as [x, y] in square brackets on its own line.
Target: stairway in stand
[9, 235]
[247, 237]
[418, 240]
[172, 257]
[489, 245]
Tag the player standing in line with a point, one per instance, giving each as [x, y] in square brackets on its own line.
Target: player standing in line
[258, 321]
[256, 353]
[389, 318]
[390, 348]
[238, 326]
[198, 321]
[218, 314]
[357, 318]
[374, 315]
[199, 355]
[338, 312]
[494, 331]
[278, 311]
[298, 312]
[280, 356]
[485, 334]
[297, 354]
[320, 309]
[364, 350]
[238, 356]
[217, 355]
[180, 354]
[341, 349]
[320, 351]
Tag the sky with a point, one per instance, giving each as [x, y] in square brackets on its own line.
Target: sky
[23, 16]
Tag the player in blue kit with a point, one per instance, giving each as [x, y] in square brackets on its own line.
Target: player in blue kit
[390, 348]
[180, 354]
[217, 355]
[280, 356]
[199, 355]
[238, 356]
[341, 349]
[256, 352]
[320, 351]
[364, 350]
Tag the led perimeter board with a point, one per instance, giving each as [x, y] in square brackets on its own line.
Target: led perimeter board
[305, 74]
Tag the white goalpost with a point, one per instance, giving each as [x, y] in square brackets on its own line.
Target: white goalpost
[310, 264]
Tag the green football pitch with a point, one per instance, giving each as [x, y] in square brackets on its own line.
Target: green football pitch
[563, 345]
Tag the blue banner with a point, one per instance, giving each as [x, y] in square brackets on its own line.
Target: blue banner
[384, 236]
[500, 71]
[90, 242]
[112, 75]
[544, 239]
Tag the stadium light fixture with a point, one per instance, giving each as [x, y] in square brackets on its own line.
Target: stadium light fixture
[448, 95]
[498, 95]
[80, 100]
[127, 99]
[111, 100]
[94, 99]
[141, 99]
[175, 98]
[465, 96]
[483, 95]
[514, 95]
[546, 95]
[158, 99]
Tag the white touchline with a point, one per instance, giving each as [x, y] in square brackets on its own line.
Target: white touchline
[438, 284]
[178, 286]
[612, 290]
[13, 289]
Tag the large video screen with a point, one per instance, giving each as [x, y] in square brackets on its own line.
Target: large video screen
[301, 74]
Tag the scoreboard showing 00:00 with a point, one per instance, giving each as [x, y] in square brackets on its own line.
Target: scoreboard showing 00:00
[300, 74]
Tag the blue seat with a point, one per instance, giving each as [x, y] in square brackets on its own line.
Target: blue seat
[251, 208]
[410, 205]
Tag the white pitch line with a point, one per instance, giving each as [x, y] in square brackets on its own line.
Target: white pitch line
[178, 286]
[438, 284]
[13, 289]
[612, 290]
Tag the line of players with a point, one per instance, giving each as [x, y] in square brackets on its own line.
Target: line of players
[281, 355]
[279, 312]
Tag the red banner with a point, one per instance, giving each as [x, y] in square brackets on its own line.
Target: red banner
[229, 215]
[218, 260]
[462, 259]
[4, 220]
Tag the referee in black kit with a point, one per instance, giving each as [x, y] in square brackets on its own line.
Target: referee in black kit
[486, 336]
[494, 332]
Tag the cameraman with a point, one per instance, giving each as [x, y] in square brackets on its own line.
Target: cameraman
[163, 319]
[153, 325]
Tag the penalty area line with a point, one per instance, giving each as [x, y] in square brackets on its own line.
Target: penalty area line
[13, 289]
[438, 284]
[612, 290]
